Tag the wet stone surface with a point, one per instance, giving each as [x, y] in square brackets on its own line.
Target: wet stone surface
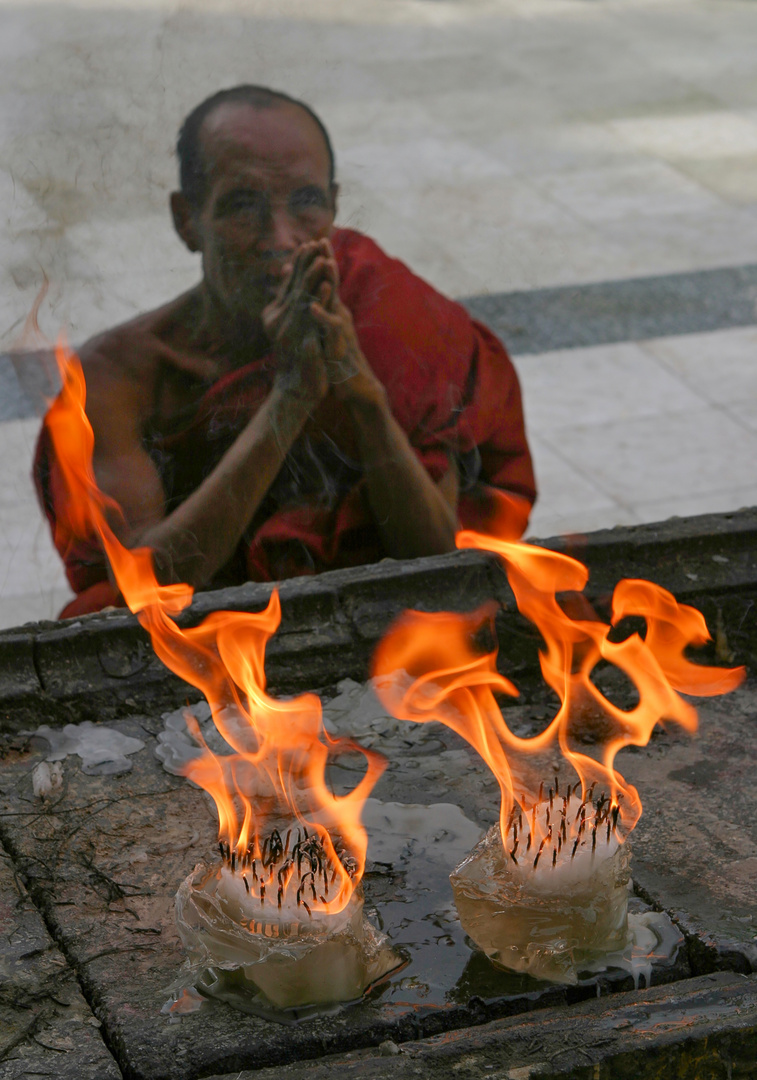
[103, 862]
[103, 858]
[695, 847]
[46, 1026]
[704, 1028]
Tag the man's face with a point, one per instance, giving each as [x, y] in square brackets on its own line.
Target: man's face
[267, 192]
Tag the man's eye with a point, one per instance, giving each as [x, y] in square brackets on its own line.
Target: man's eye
[243, 202]
[308, 198]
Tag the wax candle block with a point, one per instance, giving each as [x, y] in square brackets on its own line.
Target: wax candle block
[279, 957]
[547, 914]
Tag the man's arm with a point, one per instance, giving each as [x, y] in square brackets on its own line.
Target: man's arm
[414, 516]
[197, 538]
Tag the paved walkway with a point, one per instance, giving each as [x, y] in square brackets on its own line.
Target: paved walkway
[497, 146]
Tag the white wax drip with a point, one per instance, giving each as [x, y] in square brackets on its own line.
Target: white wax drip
[103, 751]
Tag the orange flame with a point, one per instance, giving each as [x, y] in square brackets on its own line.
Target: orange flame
[431, 669]
[275, 780]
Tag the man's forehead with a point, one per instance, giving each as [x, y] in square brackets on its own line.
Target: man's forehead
[282, 134]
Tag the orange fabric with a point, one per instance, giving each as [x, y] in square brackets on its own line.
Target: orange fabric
[451, 387]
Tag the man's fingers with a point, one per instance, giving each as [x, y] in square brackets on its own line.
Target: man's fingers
[306, 254]
[319, 268]
[291, 280]
[313, 277]
[323, 317]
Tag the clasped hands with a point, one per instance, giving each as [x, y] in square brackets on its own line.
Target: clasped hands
[312, 333]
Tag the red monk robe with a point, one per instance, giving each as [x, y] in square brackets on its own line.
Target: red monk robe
[451, 387]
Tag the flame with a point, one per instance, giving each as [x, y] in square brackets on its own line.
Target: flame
[431, 668]
[275, 781]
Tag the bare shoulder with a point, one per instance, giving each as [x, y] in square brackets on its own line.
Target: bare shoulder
[121, 365]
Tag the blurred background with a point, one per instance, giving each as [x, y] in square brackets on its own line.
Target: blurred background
[583, 173]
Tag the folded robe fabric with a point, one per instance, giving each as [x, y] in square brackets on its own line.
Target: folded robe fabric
[451, 387]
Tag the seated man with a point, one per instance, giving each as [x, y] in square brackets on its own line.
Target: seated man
[311, 404]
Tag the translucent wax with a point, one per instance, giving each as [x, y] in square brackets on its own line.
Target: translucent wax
[547, 921]
[276, 961]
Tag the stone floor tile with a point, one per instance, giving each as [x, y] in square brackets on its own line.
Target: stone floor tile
[718, 133]
[400, 78]
[627, 192]
[107, 864]
[720, 366]
[678, 241]
[707, 47]
[421, 162]
[15, 610]
[556, 148]
[661, 457]
[710, 502]
[498, 145]
[599, 385]
[17, 439]
[743, 412]
[550, 59]
[579, 521]
[538, 256]
[28, 562]
[733, 179]
[568, 500]
[481, 119]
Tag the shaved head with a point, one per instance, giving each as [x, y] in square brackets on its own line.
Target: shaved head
[189, 147]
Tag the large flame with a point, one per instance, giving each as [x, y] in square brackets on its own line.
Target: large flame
[432, 669]
[274, 784]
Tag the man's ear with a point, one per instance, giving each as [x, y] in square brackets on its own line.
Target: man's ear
[184, 220]
[334, 191]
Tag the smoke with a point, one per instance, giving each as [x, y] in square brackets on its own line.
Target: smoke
[32, 357]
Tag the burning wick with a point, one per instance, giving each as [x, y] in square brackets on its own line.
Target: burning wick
[563, 907]
[543, 833]
[307, 871]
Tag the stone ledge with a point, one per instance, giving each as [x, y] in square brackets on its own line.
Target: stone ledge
[330, 623]
[702, 1027]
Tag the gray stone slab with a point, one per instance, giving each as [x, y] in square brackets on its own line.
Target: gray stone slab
[104, 861]
[695, 847]
[699, 1028]
[574, 316]
[46, 1026]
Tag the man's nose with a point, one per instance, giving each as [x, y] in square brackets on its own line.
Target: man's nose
[280, 235]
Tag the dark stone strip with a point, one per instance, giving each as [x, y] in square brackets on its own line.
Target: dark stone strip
[531, 321]
[576, 316]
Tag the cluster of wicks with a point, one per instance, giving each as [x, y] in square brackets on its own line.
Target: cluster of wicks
[276, 866]
[558, 826]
